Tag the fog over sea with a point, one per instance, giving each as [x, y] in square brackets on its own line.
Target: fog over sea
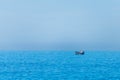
[38, 39]
[59, 65]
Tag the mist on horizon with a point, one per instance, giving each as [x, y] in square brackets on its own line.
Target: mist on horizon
[59, 25]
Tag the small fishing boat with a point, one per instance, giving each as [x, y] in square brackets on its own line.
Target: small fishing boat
[81, 52]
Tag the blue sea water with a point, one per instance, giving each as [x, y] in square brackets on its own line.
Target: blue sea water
[59, 65]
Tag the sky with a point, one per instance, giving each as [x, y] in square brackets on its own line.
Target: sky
[59, 24]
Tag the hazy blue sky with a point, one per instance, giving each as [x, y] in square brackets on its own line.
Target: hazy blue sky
[60, 24]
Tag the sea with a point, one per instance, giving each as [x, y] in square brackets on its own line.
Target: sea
[59, 65]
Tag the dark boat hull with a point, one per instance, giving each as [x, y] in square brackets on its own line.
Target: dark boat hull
[79, 53]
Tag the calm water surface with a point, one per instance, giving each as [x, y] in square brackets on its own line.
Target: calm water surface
[59, 65]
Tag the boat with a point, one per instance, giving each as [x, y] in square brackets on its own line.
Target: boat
[81, 52]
